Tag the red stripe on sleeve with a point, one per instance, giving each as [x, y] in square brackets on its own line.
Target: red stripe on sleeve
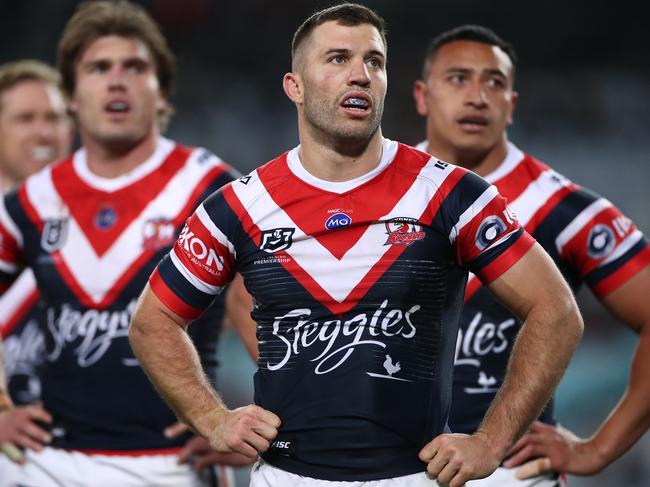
[170, 299]
[12, 321]
[507, 259]
[623, 274]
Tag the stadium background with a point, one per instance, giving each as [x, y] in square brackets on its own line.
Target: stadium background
[584, 108]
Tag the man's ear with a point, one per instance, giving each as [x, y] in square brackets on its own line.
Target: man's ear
[292, 84]
[420, 94]
[513, 105]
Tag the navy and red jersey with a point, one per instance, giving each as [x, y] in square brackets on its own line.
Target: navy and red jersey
[22, 338]
[92, 243]
[358, 287]
[589, 239]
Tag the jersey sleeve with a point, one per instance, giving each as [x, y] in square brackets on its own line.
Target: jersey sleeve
[603, 246]
[11, 260]
[200, 264]
[486, 235]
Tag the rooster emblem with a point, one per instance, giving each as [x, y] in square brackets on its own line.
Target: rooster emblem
[390, 368]
[486, 381]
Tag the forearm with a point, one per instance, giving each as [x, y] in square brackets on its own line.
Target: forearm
[169, 358]
[630, 419]
[5, 399]
[539, 357]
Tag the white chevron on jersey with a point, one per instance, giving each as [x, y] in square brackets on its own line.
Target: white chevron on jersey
[97, 275]
[579, 222]
[314, 258]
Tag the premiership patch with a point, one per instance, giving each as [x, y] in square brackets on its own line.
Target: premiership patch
[55, 233]
[276, 239]
[403, 231]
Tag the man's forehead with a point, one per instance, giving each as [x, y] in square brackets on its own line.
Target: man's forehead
[113, 46]
[334, 35]
[472, 55]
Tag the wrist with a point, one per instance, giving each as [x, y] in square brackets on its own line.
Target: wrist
[498, 446]
[599, 451]
[207, 422]
[6, 403]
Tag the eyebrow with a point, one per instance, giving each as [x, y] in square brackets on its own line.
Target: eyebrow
[372, 52]
[493, 72]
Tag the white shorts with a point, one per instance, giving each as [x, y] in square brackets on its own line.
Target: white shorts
[60, 468]
[8, 472]
[505, 477]
[265, 475]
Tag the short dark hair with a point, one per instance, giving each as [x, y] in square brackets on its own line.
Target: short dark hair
[348, 14]
[475, 33]
[95, 19]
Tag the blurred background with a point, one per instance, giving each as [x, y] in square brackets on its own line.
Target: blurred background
[584, 108]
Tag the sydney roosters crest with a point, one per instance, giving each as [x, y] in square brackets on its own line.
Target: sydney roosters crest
[158, 233]
[403, 231]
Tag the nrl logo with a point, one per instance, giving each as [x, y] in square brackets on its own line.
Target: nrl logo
[276, 239]
[403, 231]
[55, 233]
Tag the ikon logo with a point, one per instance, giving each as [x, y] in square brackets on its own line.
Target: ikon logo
[340, 220]
[195, 246]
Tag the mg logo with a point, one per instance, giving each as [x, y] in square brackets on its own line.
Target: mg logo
[339, 220]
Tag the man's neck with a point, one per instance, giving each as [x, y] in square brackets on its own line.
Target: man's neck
[114, 160]
[480, 162]
[329, 163]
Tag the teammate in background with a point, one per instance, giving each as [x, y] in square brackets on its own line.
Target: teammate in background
[468, 97]
[356, 251]
[92, 228]
[34, 131]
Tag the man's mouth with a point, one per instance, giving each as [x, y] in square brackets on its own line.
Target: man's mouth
[117, 107]
[43, 153]
[357, 102]
[474, 121]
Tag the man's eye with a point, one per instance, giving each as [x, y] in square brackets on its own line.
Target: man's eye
[337, 60]
[375, 63]
[496, 83]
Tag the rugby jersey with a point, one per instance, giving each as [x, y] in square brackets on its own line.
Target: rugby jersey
[589, 239]
[91, 243]
[358, 287]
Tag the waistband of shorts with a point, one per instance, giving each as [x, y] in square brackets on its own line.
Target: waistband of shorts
[128, 453]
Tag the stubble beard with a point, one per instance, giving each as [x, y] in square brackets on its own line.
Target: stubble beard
[349, 137]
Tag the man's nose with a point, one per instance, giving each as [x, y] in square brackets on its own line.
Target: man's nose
[359, 74]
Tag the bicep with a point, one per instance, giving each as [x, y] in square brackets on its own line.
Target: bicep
[631, 301]
[151, 311]
[533, 280]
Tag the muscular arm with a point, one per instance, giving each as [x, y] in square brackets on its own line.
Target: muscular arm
[535, 291]
[628, 421]
[166, 353]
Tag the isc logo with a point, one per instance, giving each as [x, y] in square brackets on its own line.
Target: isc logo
[339, 220]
